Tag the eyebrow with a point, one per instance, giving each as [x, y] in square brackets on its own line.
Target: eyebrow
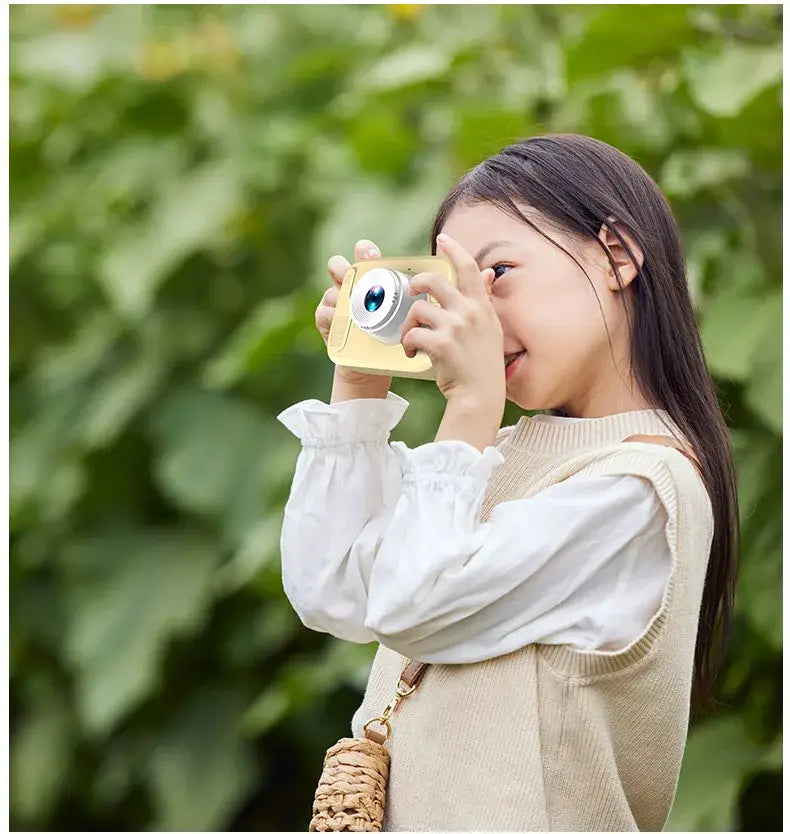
[489, 247]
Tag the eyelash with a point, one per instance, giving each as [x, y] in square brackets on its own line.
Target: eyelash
[494, 267]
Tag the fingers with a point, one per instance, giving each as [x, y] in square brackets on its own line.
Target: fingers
[432, 342]
[421, 315]
[325, 311]
[323, 319]
[470, 281]
[330, 296]
[435, 284]
[366, 250]
[338, 266]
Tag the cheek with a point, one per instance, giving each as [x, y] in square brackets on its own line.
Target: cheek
[560, 325]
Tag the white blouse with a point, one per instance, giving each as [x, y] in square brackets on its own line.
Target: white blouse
[383, 543]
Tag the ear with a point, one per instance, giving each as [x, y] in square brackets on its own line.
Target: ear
[619, 254]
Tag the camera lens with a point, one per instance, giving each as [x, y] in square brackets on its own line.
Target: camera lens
[374, 298]
[380, 303]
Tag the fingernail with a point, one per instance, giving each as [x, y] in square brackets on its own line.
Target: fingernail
[373, 252]
[442, 238]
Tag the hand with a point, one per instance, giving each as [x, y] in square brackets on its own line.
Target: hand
[463, 336]
[337, 267]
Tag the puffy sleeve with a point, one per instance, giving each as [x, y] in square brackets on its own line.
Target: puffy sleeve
[384, 543]
[346, 481]
[583, 562]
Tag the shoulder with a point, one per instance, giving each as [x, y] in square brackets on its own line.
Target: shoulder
[621, 490]
[606, 502]
[674, 477]
[643, 457]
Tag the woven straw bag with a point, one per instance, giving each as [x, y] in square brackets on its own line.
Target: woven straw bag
[352, 790]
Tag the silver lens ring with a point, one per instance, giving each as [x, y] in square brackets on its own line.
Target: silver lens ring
[380, 303]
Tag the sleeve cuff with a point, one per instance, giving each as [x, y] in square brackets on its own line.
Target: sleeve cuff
[447, 459]
[368, 419]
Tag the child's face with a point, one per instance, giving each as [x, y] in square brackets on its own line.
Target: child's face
[546, 305]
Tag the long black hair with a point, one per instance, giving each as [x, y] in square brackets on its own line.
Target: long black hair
[581, 184]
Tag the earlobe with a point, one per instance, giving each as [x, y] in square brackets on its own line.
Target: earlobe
[619, 254]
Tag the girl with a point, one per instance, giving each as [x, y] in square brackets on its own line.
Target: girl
[570, 578]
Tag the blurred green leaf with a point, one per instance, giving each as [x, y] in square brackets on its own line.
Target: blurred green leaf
[265, 712]
[411, 64]
[117, 399]
[733, 331]
[23, 232]
[194, 212]
[46, 477]
[141, 589]
[401, 217]
[40, 756]
[480, 132]
[718, 755]
[383, 140]
[725, 80]
[262, 633]
[615, 36]
[772, 758]
[200, 766]
[213, 456]
[764, 390]
[71, 59]
[760, 574]
[258, 550]
[260, 340]
[755, 455]
[687, 172]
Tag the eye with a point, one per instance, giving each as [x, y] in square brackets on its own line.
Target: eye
[499, 266]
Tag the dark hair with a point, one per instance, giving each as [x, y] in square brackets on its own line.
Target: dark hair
[580, 183]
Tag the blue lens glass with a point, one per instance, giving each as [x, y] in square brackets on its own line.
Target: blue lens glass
[374, 298]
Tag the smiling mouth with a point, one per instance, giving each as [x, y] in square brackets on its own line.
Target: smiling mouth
[510, 358]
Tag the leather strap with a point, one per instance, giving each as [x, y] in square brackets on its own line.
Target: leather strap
[413, 672]
[410, 677]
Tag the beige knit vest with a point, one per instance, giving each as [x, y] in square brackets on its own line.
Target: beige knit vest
[552, 738]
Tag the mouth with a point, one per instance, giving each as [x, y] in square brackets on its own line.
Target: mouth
[512, 363]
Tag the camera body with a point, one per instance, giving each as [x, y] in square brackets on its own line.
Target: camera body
[371, 309]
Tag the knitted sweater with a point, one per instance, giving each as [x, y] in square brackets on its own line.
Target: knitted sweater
[548, 737]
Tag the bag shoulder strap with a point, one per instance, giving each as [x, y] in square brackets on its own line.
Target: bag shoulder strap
[413, 673]
[409, 677]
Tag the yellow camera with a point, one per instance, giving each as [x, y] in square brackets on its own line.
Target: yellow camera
[371, 310]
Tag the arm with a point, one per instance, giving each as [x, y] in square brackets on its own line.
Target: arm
[469, 421]
[367, 387]
[327, 575]
[553, 568]
[346, 482]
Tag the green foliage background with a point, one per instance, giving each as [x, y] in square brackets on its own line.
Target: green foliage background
[180, 175]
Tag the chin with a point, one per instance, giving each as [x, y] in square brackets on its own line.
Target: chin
[527, 392]
[531, 402]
